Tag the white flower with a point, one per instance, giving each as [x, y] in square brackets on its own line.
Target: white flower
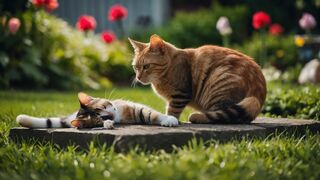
[223, 26]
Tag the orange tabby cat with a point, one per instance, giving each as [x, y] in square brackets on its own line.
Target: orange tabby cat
[223, 85]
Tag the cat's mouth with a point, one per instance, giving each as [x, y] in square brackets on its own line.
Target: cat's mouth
[108, 117]
[144, 82]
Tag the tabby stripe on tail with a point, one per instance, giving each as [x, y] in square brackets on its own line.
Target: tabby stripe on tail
[49, 123]
[134, 114]
[234, 114]
[142, 116]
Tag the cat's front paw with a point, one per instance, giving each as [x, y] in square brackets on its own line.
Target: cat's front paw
[108, 124]
[169, 121]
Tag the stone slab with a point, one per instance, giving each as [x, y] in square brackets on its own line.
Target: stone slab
[296, 126]
[126, 137]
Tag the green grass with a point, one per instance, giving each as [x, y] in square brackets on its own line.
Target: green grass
[280, 157]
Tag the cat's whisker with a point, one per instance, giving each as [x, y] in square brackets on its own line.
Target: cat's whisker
[134, 82]
[111, 93]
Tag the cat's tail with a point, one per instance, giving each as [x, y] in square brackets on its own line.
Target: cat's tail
[40, 122]
[242, 113]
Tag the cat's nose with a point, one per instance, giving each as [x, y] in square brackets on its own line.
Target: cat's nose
[139, 76]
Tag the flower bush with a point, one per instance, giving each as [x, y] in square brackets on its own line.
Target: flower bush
[195, 29]
[40, 55]
[281, 50]
[302, 102]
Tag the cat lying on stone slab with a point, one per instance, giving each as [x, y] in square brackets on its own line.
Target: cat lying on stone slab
[99, 112]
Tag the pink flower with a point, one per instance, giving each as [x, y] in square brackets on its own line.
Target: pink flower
[86, 23]
[49, 5]
[223, 26]
[307, 21]
[108, 36]
[276, 29]
[260, 20]
[14, 25]
[117, 12]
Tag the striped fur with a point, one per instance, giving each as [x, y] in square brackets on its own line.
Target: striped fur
[223, 85]
[94, 111]
[52, 122]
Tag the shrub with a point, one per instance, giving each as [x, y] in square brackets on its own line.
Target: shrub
[47, 53]
[290, 76]
[298, 102]
[281, 50]
[194, 29]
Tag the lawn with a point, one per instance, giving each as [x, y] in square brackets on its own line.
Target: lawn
[279, 157]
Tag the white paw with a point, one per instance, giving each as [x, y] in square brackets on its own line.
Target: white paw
[108, 124]
[169, 121]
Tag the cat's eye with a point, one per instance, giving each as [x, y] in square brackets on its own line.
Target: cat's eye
[146, 66]
[135, 67]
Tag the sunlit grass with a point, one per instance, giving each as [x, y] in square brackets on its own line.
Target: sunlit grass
[280, 157]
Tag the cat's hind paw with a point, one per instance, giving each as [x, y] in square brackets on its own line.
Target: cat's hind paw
[169, 121]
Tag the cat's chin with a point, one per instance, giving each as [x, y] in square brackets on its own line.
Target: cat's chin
[147, 83]
[144, 83]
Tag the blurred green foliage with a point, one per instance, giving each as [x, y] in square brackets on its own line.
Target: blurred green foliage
[293, 101]
[282, 53]
[198, 28]
[47, 53]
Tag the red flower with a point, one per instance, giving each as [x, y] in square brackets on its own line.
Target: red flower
[276, 29]
[260, 19]
[38, 3]
[49, 5]
[86, 23]
[108, 36]
[117, 12]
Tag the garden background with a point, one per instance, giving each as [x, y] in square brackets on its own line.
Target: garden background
[50, 50]
[40, 50]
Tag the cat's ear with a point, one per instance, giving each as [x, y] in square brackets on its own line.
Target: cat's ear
[84, 99]
[138, 46]
[156, 44]
[77, 123]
